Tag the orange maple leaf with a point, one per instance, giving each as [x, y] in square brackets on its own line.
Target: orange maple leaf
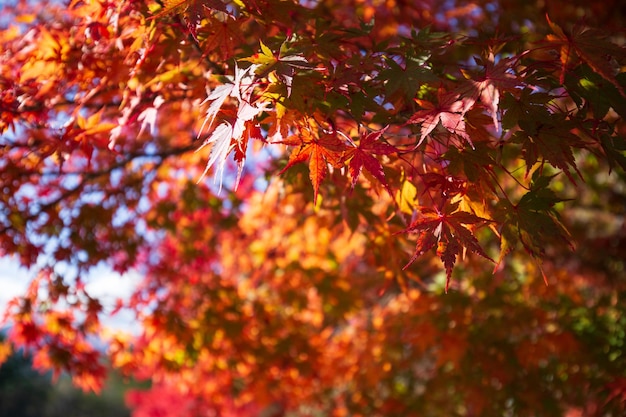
[320, 152]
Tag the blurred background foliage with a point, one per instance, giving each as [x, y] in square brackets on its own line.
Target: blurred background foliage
[25, 392]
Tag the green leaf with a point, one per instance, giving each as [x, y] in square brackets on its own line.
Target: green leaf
[406, 79]
[532, 222]
[527, 104]
[599, 94]
[552, 143]
[614, 148]
[473, 163]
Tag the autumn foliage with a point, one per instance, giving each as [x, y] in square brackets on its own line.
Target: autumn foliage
[300, 183]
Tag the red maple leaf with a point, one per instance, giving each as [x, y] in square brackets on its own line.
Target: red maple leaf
[498, 76]
[448, 231]
[26, 332]
[450, 111]
[592, 47]
[447, 184]
[192, 11]
[361, 157]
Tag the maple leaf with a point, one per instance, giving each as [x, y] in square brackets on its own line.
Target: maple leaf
[228, 136]
[450, 111]
[222, 36]
[406, 197]
[240, 88]
[592, 47]
[283, 65]
[614, 149]
[192, 11]
[487, 87]
[533, 221]
[319, 152]
[529, 105]
[149, 115]
[191, 6]
[588, 88]
[552, 143]
[448, 232]
[360, 157]
[264, 60]
[220, 140]
[406, 79]
[448, 185]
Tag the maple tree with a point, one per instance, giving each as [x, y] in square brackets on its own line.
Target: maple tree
[300, 182]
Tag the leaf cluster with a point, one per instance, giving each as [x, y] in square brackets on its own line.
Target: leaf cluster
[289, 176]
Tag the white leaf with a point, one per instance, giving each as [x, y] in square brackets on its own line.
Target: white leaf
[241, 88]
[220, 140]
[245, 113]
[149, 115]
[224, 138]
[244, 82]
[116, 132]
[218, 96]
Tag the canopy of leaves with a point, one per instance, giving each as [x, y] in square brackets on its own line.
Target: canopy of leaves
[289, 177]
